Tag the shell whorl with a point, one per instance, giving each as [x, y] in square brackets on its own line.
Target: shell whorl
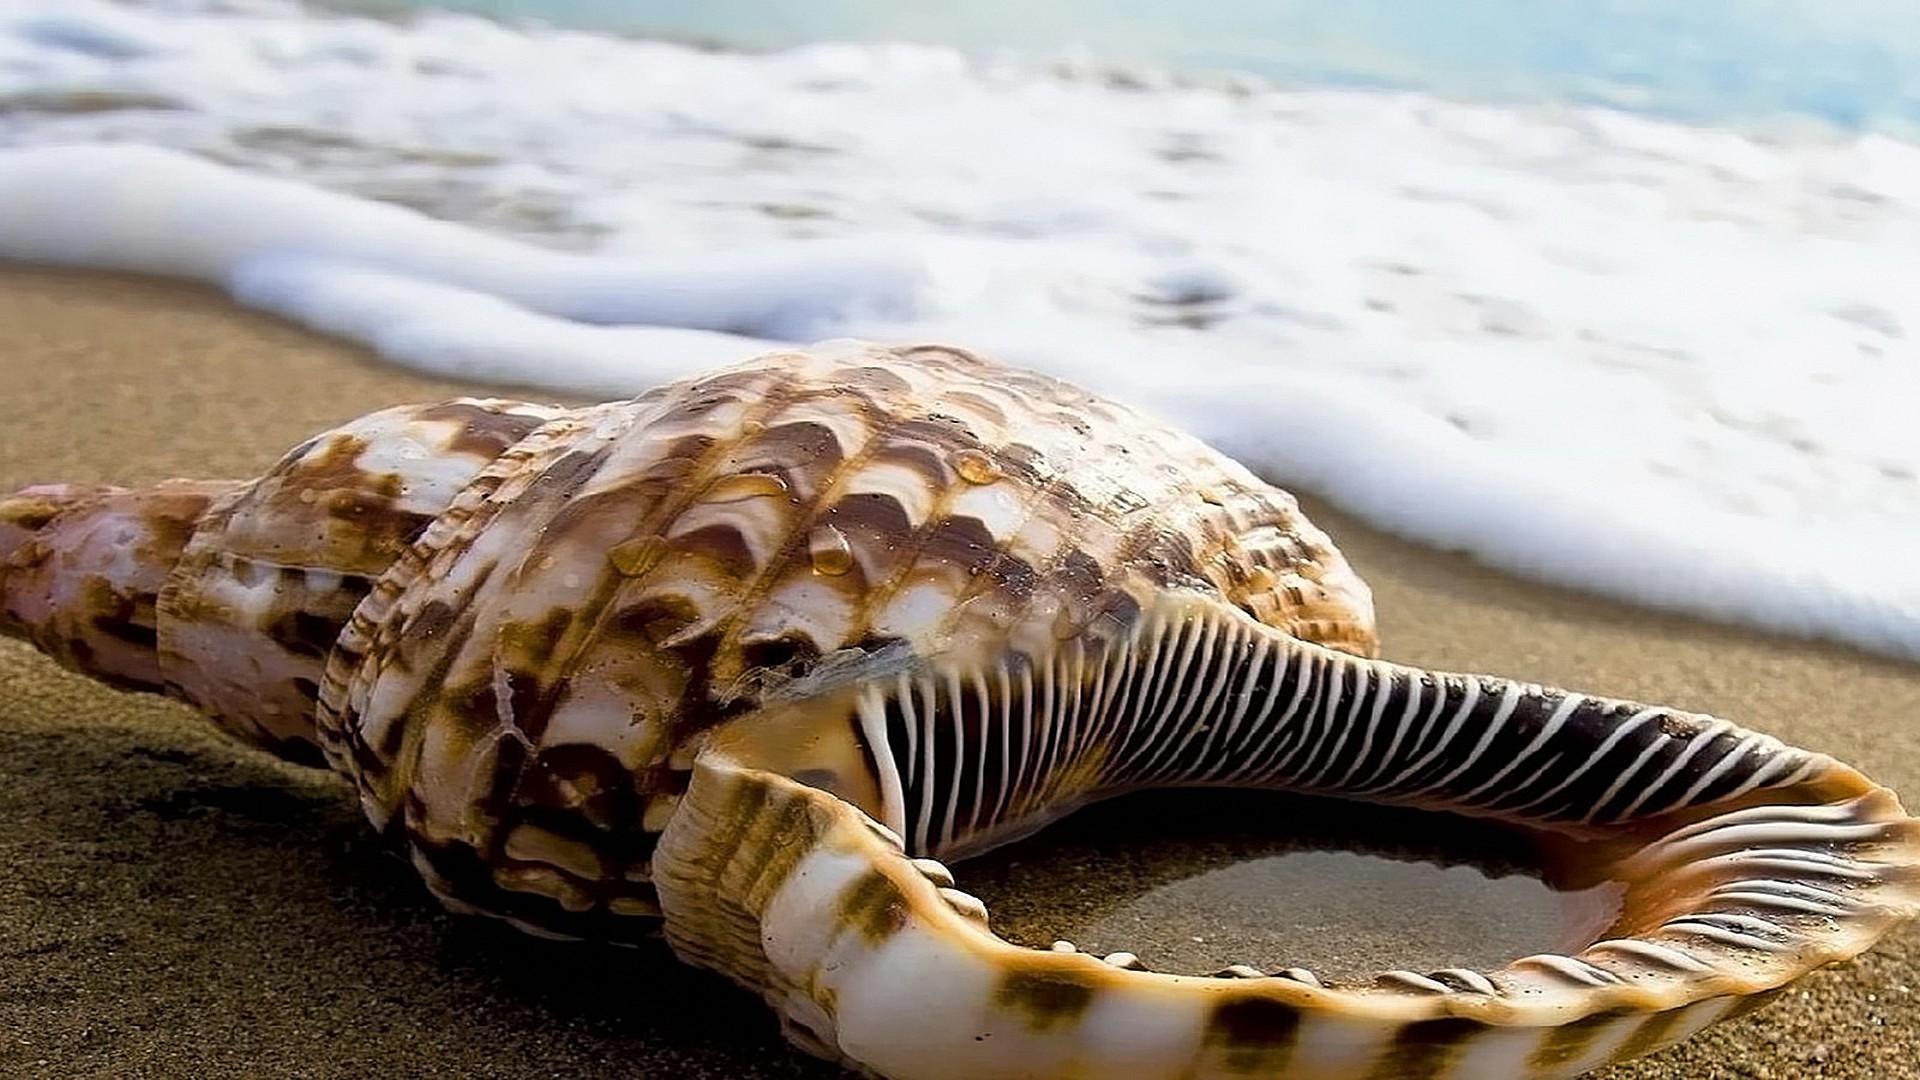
[274, 567]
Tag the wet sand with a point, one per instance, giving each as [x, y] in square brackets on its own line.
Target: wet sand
[173, 905]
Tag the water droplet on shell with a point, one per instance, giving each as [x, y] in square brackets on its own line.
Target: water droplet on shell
[829, 550]
[975, 467]
[637, 556]
[743, 486]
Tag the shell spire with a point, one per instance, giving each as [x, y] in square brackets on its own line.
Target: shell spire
[750, 657]
[81, 569]
[229, 594]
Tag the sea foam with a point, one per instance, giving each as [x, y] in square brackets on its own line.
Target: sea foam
[1669, 363]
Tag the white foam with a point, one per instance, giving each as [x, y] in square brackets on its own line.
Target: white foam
[1669, 363]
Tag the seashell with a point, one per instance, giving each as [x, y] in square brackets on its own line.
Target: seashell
[752, 656]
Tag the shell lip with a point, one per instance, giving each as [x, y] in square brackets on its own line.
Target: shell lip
[1673, 943]
[884, 956]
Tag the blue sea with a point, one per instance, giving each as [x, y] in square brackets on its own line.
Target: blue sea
[1851, 63]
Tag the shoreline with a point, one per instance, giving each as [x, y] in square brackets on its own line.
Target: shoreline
[181, 906]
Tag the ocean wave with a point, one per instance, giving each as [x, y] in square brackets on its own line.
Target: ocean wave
[1670, 363]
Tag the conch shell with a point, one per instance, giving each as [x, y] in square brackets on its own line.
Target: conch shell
[741, 658]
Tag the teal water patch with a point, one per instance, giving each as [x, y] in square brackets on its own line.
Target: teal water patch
[1851, 63]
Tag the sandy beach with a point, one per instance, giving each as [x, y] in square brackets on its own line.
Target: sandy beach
[178, 906]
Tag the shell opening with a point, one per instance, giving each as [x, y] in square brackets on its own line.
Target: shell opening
[1195, 882]
[1727, 864]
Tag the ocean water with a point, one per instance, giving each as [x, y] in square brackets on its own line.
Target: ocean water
[1634, 351]
[1852, 63]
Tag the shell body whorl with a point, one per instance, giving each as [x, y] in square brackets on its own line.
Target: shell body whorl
[631, 575]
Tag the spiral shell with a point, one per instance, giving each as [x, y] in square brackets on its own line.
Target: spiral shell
[743, 657]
